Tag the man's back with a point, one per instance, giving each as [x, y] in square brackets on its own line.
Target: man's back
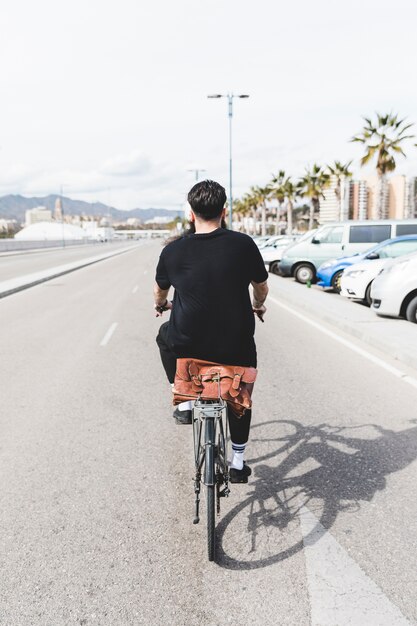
[212, 316]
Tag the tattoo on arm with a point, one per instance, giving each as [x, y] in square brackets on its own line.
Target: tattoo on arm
[160, 295]
[260, 292]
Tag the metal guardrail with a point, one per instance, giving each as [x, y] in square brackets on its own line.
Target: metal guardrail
[10, 245]
[13, 285]
[7, 245]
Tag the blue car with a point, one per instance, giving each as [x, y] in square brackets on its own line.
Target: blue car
[330, 272]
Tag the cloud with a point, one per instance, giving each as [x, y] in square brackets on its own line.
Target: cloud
[133, 164]
[124, 181]
[14, 176]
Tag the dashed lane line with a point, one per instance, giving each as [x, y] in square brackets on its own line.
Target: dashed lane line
[364, 353]
[108, 334]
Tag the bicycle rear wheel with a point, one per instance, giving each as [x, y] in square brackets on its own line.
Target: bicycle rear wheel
[210, 480]
[211, 530]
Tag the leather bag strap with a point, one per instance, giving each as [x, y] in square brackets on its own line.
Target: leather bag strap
[236, 382]
[195, 376]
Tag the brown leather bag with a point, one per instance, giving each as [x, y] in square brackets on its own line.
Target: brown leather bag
[196, 378]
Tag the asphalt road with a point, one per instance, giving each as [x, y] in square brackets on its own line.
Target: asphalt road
[15, 265]
[96, 495]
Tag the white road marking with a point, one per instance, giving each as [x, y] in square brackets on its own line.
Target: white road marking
[108, 334]
[367, 355]
[340, 591]
[134, 290]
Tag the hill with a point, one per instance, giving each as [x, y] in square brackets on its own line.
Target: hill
[14, 207]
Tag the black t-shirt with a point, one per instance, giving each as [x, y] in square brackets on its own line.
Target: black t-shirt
[212, 317]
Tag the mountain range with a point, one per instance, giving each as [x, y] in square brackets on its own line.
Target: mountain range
[13, 207]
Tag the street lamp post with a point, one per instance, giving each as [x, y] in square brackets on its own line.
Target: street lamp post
[230, 97]
[197, 173]
[62, 216]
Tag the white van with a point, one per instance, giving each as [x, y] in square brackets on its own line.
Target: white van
[332, 241]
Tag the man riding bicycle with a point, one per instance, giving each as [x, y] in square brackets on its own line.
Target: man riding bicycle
[212, 317]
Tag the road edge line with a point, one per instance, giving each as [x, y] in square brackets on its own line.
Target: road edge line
[348, 344]
[404, 357]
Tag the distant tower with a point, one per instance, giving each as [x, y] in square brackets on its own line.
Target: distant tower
[58, 210]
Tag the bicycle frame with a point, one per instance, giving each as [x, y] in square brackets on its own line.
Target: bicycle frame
[210, 414]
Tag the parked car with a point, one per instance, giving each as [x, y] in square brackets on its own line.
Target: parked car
[356, 281]
[271, 240]
[331, 272]
[331, 241]
[273, 250]
[394, 290]
[261, 241]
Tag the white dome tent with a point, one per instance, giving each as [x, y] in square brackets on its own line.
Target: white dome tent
[51, 231]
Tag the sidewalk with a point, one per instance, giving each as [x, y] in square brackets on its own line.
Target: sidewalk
[8, 287]
[397, 338]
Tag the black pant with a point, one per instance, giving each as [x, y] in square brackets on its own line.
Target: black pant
[239, 426]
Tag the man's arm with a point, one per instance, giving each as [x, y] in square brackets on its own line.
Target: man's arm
[260, 292]
[161, 299]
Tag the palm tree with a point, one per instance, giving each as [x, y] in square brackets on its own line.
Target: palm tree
[312, 186]
[238, 210]
[277, 192]
[241, 207]
[383, 139]
[341, 173]
[284, 190]
[250, 201]
[260, 196]
[291, 191]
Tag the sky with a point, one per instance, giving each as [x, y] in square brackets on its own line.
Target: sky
[108, 100]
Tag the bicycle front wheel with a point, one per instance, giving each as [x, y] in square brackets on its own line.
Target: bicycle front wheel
[211, 522]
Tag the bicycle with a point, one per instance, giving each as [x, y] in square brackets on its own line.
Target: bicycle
[211, 453]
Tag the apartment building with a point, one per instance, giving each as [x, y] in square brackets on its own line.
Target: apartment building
[38, 214]
[378, 193]
[410, 197]
[359, 199]
[334, 206]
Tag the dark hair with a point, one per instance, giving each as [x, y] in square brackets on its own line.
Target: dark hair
[207, 199]
[190, 231]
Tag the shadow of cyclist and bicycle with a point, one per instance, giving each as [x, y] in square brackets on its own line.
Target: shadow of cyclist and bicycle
[324, 468]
